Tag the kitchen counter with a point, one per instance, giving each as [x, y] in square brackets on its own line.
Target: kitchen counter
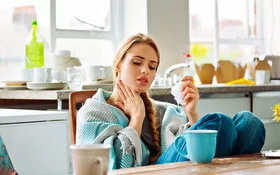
[211, 89]
[203, 89]
[154, 91]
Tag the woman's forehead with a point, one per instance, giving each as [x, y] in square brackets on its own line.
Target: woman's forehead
[143, 50]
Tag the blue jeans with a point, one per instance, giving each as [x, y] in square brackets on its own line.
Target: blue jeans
[242, 134]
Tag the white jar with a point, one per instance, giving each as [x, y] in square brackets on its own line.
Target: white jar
[63, 59]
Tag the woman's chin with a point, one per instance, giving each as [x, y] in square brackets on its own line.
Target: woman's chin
[141, 90]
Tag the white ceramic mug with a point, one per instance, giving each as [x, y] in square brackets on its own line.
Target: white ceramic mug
[59, 76]
[95, 73]
[90, 159]
[26, 74]
[42, 74]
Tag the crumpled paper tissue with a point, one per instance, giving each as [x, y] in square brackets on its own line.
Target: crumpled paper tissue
[177, 93]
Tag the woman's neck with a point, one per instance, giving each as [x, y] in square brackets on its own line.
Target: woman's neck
[114, 98]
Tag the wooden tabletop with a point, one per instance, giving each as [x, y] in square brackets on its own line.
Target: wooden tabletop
[245, 164]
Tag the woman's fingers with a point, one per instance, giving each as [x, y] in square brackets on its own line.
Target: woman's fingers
[128, 91]
[185, 78]
[121, 90]
[120, 105]
[189, 90]
[125, 92]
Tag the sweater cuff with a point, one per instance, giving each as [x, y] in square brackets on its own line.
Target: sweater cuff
[188, 125]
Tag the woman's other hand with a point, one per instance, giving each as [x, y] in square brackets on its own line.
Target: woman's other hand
[132, 105]
[191, 97]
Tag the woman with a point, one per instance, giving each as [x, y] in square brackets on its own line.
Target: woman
[141, 130]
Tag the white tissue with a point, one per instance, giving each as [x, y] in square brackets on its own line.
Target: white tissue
[177, 93]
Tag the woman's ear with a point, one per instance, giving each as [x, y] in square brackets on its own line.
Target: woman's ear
[118, 69]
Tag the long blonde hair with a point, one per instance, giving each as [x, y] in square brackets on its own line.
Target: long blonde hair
[149, 108]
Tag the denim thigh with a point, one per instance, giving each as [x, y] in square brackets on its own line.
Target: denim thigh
[251, 133]
[226, 138]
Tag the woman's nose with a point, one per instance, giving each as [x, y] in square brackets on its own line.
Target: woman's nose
[145, 69]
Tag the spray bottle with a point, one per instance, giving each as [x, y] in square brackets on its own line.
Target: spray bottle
[34, 48]
[190, 69]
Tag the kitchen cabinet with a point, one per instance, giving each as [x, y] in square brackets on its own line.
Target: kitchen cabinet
[229, 103]
[37, 141]
[262, 104]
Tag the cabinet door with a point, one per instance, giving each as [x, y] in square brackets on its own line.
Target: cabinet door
[229, 104]
[262, 104]
[37, 148]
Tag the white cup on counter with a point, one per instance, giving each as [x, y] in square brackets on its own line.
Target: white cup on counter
[42, 74]
[262, 77]
[26, 74]
[59, 76]
[95, 73]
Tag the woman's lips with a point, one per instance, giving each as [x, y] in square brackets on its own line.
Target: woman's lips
[143, 80]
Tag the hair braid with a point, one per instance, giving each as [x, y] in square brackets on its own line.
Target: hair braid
[150, 113]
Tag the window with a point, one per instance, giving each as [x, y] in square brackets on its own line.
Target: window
[88, 28]
[224, 29]
[15, 21]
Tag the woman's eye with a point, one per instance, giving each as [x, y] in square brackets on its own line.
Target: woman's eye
[153, 67]
[136, 62]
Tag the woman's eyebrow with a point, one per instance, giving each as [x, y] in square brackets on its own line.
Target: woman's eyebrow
[145, 58]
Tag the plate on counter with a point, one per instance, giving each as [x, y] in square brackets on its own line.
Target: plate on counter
[46, 86]
[88, 83]
[14, 87]
[14, 83]
[272, 153]
[108, 87]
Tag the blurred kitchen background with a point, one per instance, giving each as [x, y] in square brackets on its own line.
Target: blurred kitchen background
[211, 30]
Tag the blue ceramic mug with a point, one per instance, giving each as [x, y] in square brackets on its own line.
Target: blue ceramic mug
[200, 145]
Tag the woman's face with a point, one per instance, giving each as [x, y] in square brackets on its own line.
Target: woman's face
[138, 67]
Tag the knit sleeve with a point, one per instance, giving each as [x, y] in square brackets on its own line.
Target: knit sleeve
[99, 122]
[173, 121]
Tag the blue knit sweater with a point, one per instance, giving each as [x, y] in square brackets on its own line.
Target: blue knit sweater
[99, 122]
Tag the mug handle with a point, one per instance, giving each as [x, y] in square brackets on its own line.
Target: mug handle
[176, 144]
[103, 165]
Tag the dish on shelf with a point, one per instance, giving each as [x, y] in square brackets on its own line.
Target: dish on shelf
[108, 87]
[46, 86]
[14, 83]
[15, 87]
[98, 82]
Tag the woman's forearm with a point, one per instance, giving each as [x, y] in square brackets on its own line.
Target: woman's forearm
[136, 123]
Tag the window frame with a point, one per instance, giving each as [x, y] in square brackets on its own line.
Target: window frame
[114, 34]
[217, 40]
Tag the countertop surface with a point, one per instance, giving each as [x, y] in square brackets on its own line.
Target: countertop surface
[20, 115]
[154, 91]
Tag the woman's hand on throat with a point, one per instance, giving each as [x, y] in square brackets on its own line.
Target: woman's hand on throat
[132, 105]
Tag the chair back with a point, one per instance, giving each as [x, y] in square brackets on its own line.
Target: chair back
[75, 98]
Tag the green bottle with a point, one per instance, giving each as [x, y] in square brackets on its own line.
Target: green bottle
[34, 49]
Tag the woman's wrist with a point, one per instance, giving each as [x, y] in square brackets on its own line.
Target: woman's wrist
[193, 117]
[136, 124]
